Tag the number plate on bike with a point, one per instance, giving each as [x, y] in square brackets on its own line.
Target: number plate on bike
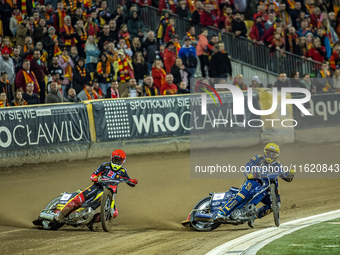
[66, 196]
[218, 196]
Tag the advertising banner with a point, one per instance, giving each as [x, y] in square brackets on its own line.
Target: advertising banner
[40, 126]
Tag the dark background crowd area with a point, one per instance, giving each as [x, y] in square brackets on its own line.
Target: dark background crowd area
[56, 51]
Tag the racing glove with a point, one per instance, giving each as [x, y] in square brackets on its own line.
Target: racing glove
[132, 182]
[94, 178]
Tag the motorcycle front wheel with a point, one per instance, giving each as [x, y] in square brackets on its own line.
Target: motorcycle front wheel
[105, 210]
[275, 205]
[199, 225]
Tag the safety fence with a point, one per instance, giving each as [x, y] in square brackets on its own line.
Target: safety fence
[41, 132]
[240, 49]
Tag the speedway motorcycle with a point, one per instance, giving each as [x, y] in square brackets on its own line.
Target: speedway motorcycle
[203, 216]
[86, 214]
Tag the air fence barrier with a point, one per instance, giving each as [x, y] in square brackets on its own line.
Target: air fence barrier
[50, 133]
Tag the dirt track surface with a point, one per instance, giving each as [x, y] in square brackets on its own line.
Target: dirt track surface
[149, 214]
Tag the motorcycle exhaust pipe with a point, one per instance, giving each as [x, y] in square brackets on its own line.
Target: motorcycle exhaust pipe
[204, 219]
[46, 216]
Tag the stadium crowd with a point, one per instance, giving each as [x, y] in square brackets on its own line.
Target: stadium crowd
[72, 50]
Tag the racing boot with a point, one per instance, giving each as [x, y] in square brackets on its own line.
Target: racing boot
[69, 207]
[228, 207]
[115, 212]
[263, 211]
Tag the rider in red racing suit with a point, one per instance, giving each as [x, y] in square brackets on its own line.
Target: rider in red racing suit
[109, 169]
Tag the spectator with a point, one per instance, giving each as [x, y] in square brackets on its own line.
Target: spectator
[104, 37]
[170, 30]
[281, 82]
[139, 67]
[168, 87]
[256, 83]
[202, 51]
[163, 24]
[15, 20]
[54, 95]
[295, 80]
[270, 22]
[196, 15]
[306, 82]
[335, 57]
[226, 20]
[40, 32]
[136, 45]
[188, 55]
[182, 10]
[191, 33]
[58, 17]
[6, 87]
[39, 69]
[74, 55]
[292, 41]
[88, 93]
[302, 17]
[325, 42]
[180, 72]
[3, 100]
[150, 47]
[55, 69]
[295, 13]
[329, 32]
[123, 46]
[238, 82]
[238, 27]
[72, 96]
[220, 65]
[169, 57]
[182, 88]
[18, 100]
[149, 88]
[92, 54]
[324, 79]
[283, 14]
[133, 90]
[113, 31]
[52, 44]
[68, 33]
[123, 67]
[17, 60]
[105, 72]
[124, 34]
[66, 63]
[112, 92]
[257, 31]
[158, 74]
[97, 89]
[92, 29]
[304, 29]
[78, 15]
[336, 80]
[24, 76]
[135, 26]
[270, 32]
[81, 39]
[7, 65]
[27, 50]
[318, 52]
[80, 76]
[6, 14]
[207, 18]
[29, 96]
[170, 6]
[332, 20]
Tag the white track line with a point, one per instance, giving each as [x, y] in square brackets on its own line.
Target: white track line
[251, 243]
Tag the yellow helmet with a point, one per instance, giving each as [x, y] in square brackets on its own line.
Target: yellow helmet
[271, 152]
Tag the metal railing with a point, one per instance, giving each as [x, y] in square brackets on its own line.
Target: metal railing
[241, 49]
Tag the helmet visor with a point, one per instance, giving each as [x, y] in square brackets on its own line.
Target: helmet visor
[271, 154]
[117, 161]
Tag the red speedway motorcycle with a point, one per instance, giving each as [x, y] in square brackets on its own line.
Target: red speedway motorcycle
[86, 214]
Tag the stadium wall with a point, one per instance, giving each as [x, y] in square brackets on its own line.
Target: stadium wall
[51, 133]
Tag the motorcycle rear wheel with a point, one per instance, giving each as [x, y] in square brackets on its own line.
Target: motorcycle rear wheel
[199, 225]
[105, 210]
[275, 205]
[52, 225]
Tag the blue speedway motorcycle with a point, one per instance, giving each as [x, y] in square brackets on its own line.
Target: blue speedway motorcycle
[203, 216]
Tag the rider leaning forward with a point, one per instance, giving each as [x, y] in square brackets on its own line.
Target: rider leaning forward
[109, 169]
[249, 188]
